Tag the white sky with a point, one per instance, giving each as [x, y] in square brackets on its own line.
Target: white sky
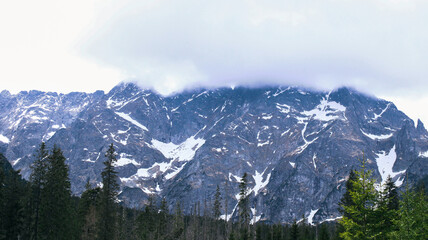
[376, 46]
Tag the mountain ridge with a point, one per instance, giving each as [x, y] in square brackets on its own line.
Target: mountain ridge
[297, 145]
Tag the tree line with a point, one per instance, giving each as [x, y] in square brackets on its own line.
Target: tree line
[44, 208]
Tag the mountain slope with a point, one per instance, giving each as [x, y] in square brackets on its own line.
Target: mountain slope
[297, 146]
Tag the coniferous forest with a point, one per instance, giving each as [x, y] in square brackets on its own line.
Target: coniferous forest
[44, 208]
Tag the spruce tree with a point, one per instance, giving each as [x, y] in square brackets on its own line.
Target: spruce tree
[294, 231]
[12, 217]
[55, 207]
[162, 222]
[87, 212]
[217, 203]
[107, 228]
[359, 220]
[178, 221]
[387, 209]
[346, 200]
[412, 222]
[37, 183]
[2, 198]
[244, 209]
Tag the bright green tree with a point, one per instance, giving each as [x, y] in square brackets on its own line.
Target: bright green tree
[412, 222]
[359, 221]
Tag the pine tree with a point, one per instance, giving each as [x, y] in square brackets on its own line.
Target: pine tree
[217, 203]
[360, 221]
[244, 209]
[37, 183]
[55, 207]
[107, 228]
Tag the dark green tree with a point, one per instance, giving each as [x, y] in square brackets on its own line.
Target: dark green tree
[217, 203]
[162, 220]
[346, 200]
[2, 197]
[12, 218]
[56, 215]
[87, 212]
[294, 231]
[39, 169]
[244, 208]
[387, 209]
[107, 228]
[178, 221]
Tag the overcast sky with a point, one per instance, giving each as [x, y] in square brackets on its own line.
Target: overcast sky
[376, 46]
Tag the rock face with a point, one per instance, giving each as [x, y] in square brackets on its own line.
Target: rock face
[296, 146]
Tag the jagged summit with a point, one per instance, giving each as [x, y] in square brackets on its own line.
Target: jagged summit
[296, 145]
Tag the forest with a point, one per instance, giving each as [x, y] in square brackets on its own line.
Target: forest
[45, 208]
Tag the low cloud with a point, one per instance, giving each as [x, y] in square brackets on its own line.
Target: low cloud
[375, 46]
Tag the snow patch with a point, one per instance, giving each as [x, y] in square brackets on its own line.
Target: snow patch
[125, 160]
[326, 110]
[182, 152]
[311, 216]
[283, 108]
[88, 160]
[4, 139]
[131, 120]
[267, 117]
[376, 137]
[423, 154]
[259, 183]
[376, 116]
[385, 161]
[16, 161]
[313, 160]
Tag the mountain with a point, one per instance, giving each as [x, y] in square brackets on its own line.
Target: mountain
[297, 146]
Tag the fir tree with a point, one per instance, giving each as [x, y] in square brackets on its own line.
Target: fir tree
[87, 212]
[163, 214]
[244, 209]
[55, 208]
[37, 182]
[217, 203]
[387, 209]
[294, 231]
[412, 222]
[12, 209]
[360, 221]
[2, 197]
[178, 221]
[107, 228]
[346, 200]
